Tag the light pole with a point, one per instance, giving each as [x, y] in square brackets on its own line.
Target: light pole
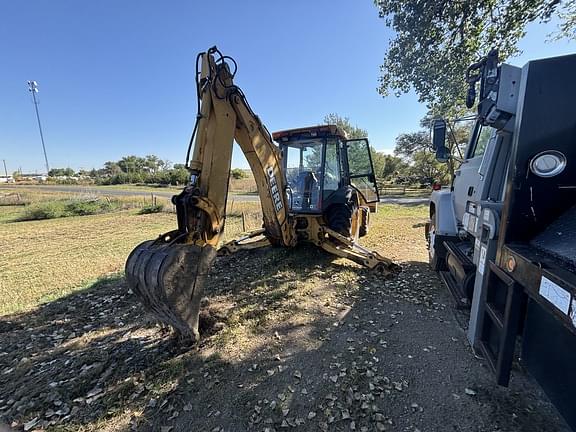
[33, 88]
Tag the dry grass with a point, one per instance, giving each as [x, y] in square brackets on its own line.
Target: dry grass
[43, 260]
[258, 296]
[396, 232]
[47, 259]
[243, 186]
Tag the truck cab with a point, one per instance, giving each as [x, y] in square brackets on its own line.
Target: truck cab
[463, 228]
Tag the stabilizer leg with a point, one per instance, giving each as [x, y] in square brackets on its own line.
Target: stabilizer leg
[246, 242]
[342, 246]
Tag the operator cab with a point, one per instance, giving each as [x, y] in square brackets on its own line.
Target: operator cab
[320, 162]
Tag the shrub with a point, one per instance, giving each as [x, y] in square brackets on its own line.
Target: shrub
[49, 210]
[84, 208]
[65, 208]
[152, 208]
[238, 173]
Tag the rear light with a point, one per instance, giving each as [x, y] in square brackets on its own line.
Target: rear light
[436, 186]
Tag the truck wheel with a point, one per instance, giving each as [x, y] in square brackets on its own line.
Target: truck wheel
[436, 263]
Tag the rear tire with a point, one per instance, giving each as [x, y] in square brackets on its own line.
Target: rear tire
[339, 217]
[364, 221]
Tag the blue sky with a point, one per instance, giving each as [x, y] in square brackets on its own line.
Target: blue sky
[117, 77]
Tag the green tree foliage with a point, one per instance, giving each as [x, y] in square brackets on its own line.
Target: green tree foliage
[61, 172]
[409, 143]
[132, 164]
[567, 28]
[344, 123]
[238, 173]
[436, 40]
[135, 169]
[418, 164]
[179, 176]
[111, 168]
[425, 169]
[393, 167]
[379, 161]
[357, 154]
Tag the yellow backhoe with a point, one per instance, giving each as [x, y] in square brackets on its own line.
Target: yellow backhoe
[314, 186]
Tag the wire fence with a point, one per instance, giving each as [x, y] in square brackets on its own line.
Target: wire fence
[402, 190]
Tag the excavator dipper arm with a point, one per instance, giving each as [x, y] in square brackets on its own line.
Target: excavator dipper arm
[168, 274]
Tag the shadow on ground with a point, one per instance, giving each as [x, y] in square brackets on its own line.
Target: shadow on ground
[292, 339]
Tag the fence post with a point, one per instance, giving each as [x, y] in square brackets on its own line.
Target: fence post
[243, 222]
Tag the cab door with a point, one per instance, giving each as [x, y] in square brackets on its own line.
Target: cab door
[358, 168]
[467, 177]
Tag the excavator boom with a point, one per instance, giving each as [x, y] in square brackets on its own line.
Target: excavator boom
[168, 274]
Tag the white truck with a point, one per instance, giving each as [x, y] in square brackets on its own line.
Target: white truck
[503, 236]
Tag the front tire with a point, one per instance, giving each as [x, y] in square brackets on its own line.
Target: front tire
[436, 262]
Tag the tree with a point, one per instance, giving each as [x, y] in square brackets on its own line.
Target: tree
[393, 167]
[111, 168]
[409, 143]
[378, 161]
[420, 165]
[344, 124]
[132, 164]
[436, 40]
[61, 172]
[179, 176]
[152, 163]
[357, 132]
[425, 169]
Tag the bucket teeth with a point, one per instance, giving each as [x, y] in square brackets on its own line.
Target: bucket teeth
[169, 280]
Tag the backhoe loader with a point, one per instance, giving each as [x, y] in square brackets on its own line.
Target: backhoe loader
[316, 186]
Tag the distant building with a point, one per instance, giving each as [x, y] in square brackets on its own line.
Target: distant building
[35, 177]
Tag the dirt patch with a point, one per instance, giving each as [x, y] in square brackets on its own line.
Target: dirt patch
[292, 339]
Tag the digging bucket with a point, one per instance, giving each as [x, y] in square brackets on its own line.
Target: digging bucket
[169, 279]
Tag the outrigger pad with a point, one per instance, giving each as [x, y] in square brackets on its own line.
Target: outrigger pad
[169, 280]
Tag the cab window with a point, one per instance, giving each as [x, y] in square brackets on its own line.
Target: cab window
[482, 138]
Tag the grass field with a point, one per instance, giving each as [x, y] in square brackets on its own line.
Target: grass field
[43, 260]
[47, 259]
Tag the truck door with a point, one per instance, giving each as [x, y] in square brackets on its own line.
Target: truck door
[467, 177]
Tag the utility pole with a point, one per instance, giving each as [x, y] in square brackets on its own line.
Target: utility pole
[33, 88]
[5, 170]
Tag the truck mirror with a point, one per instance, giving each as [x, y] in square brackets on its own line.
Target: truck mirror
[442, 154]
[438, 134]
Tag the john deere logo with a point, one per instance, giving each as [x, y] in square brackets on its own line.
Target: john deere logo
[274, 192]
